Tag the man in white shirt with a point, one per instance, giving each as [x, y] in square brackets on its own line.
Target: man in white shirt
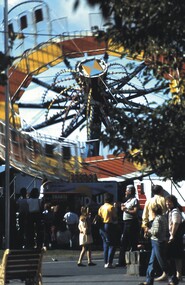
[71, 220]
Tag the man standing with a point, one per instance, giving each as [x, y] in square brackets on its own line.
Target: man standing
[131, 228]
[157, 199]
[109, 217]
[71, 220]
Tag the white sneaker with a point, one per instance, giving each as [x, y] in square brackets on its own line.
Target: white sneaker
[163, 277]
[106, 265]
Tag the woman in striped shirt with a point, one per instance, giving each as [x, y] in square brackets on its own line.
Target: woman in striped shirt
[158, 234]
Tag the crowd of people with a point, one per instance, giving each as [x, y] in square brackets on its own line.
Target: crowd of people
[159, 227]
[161, 224]
[43, 224]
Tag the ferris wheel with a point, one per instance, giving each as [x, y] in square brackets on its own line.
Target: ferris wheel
[85, 95]
[83, 80]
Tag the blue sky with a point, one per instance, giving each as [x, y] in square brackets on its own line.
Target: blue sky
[80, 19]
[68, 19]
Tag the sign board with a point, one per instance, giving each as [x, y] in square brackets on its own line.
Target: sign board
[90, 193]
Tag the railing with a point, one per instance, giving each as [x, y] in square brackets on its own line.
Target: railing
[39, 155]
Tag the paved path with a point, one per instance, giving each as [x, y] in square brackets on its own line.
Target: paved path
[60, 267]
[67, 272]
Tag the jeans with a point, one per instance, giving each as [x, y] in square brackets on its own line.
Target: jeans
[158, 252]
[108, 237]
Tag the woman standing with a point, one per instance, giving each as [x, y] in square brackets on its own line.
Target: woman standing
[85, 236]
[159, 235]
[175, 243]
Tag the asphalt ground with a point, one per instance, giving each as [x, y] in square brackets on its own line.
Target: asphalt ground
[60, 267]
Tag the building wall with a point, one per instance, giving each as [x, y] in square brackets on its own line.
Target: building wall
[168, 186]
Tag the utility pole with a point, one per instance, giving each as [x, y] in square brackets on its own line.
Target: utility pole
[7, 142]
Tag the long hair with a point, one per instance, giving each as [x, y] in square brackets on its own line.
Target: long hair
[84, 212]
[173, 199]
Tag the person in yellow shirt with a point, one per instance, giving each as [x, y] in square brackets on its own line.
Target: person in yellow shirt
[108, 214]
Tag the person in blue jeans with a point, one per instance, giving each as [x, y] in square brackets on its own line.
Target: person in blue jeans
[158, 234]
[109, 248]
[109, 217]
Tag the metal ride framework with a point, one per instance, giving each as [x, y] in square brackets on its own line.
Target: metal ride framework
[91, 81]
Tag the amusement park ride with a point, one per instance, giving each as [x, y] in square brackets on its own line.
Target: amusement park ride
[89, 80]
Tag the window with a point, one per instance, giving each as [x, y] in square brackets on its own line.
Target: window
[38, 15]
[23, 22]
[10, 30]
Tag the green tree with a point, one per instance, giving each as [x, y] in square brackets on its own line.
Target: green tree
[147, 25]
[157, 28]
[157, 137]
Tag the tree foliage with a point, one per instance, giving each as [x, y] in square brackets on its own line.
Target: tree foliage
[157, 28]
[145, 25]
[156, 137]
